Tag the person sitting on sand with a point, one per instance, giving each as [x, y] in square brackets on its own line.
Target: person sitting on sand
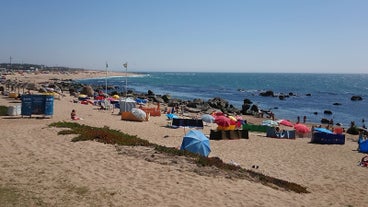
[74, 116]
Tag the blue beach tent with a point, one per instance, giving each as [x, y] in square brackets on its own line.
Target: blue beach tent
[196, 142]
[363, 144]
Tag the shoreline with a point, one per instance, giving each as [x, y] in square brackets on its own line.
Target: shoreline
[35, 159]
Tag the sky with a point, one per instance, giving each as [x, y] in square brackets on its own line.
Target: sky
[299, 36]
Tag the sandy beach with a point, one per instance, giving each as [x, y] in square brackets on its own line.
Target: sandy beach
[42, 168]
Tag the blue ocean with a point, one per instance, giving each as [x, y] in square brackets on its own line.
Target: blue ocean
[324, 91]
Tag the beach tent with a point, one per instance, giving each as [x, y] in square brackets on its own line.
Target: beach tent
[286, 134]
[191, 123]
[136, 115]
[363, 144]
[325, 136]
[228, 134]
[126, 104]
[255, 128]
[139, 114]
[196, 142]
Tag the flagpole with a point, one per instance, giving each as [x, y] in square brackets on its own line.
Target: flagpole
[106, 78]
[125, 65]
[126, 79]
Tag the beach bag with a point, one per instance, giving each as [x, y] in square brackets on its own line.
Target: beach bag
[364, 161]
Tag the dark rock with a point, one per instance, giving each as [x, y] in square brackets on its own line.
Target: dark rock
[218, 103]
[173, 102]
[327, 112]
[315, 113]
[254, 108]
[356, 98]
[247, 101]
[150, 93]
[166, 98]
[336, 104]
[325, 121]
[158, 99]
[245, 108]
[267, 93]
[281, 97]
[352, 130]
[192, 105]
[192, 110]
[198, 101]
[308, 94]
[87, 90]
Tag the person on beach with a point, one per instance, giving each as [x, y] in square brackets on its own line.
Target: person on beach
[304, 119]
[74, 116]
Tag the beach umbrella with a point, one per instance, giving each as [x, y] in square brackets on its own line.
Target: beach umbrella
[285, 122]
[222, 121]
[301, 128]
[196, 142]
[208, 118]
[270, 123]
[139, 113]
[172, 116]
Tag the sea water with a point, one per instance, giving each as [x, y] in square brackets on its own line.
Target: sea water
[324, 91]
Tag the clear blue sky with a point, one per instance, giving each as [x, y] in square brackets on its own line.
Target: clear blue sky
[188, 35]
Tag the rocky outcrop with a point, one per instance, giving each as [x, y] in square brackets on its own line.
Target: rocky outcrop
[325, 121]
[87, 90]
[356, 98]
[267, 93]
[327, 112]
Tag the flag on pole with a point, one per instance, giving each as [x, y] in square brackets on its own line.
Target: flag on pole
[125, 65]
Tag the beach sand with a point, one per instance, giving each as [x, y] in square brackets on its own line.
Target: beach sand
[42, 168]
